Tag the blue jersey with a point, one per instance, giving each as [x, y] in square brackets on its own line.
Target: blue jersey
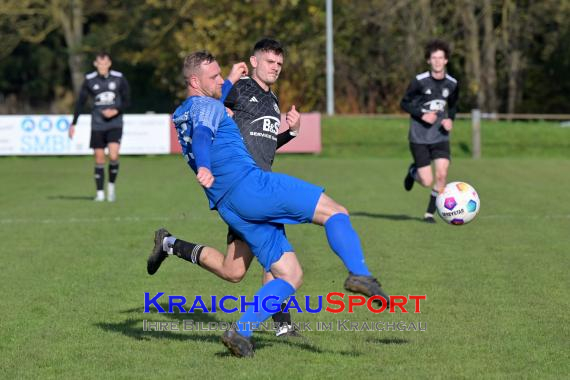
[230, 160]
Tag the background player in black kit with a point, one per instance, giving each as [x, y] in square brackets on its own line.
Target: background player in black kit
[256, 111]
[431, 101]
[110, 92]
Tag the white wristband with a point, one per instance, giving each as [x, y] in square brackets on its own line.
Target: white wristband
[293, 133]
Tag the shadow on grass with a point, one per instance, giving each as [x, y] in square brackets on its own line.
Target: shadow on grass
[464, 148]
[70, 197]
[387, 341]
[395, 217]
[132, 328]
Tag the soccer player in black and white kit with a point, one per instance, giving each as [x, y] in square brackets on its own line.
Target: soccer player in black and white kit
[110, 92]
[258, 116]
[431, 101]
[256, 111]
[256, 107]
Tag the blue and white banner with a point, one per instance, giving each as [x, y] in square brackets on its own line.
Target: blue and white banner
[47, 135]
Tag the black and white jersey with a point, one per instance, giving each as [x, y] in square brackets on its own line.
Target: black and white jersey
[257, 114]
[111, 91]
[427, 94]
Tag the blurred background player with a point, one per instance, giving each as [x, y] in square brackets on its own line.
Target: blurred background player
[256, 111]
[110, 93]
[431, 101]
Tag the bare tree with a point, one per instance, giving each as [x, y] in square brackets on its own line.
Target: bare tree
[69, 14]
[489, 77]
[472, 53]
[510, 20]
[23, 20]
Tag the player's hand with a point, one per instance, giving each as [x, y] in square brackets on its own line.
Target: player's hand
[447, 124]
[205, 177]
[110, 112]
[293, 119]
[71, 131]
[229, 112]
[238, 70]
[429, 117]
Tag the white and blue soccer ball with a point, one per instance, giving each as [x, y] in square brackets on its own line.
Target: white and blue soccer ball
[458, 203]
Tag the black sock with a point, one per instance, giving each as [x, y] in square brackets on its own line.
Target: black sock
[431, 205]
[188, 251]
[99, 176]
[281, 317]
[113, 170]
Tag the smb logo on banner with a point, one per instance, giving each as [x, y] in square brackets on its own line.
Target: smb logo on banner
[44, 135]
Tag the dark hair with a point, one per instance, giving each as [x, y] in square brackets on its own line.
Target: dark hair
[193, 61]
[268, 44]
[435, 45]
[102, 54]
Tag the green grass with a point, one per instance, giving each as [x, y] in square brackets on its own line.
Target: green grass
[74, 276]
[377, 137]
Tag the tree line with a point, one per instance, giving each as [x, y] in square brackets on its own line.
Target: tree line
[508, 55]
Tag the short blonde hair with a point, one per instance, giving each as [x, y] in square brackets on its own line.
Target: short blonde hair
[193, 61]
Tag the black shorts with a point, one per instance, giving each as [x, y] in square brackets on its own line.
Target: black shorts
[100, 139]
[424, 154]
[232, 236]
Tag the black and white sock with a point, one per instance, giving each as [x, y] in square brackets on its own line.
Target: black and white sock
[282, 318]
[99, 176]
[113, 171]
[183, 249]
[431, 204]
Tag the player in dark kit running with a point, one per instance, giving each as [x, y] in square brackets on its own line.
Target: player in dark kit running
[110, 92]
[256, 112]
[431, 101]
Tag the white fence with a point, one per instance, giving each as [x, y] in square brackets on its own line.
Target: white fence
[47, 135]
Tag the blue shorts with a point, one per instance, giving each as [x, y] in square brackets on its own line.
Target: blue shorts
[261, 203]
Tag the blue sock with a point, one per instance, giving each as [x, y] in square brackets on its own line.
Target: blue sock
[250, 319]
[344, 241]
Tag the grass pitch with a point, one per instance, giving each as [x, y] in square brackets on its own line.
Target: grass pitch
[74, 276]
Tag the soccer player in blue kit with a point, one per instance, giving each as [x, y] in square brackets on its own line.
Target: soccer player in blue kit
[254, 203]
[256, 111]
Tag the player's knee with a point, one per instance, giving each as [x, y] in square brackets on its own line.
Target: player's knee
[296, 278]
[235, 275]
[340, 209]
[426, 182]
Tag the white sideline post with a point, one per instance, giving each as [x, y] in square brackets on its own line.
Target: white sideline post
[330, 58]
[476, 132]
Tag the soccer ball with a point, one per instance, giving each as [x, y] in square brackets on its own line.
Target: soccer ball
[458, 203]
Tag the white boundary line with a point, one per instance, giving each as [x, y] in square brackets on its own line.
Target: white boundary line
[136, 219]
